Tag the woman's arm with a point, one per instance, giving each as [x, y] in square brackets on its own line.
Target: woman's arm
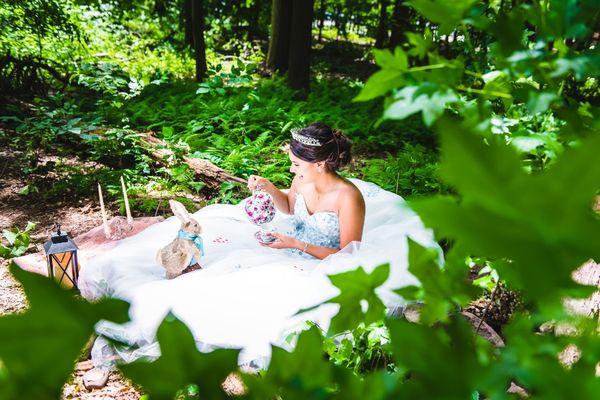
[351, 214]
[288, 242]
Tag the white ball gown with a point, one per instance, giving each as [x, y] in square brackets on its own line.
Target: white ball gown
[246, 296]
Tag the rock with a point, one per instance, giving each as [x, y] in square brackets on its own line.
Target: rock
[518, 390]
[234, 386]
[95, 378]
[412, 312]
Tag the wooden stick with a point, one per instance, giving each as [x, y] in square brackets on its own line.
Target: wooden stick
[103, 210]
[127, 210]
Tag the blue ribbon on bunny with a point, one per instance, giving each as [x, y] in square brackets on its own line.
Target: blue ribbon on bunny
[197, 239]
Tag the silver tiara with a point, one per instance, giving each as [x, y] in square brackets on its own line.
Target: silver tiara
[304, 139]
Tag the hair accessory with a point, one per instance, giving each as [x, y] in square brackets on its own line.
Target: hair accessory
[296, 135]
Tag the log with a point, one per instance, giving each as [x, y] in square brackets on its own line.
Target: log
[204, 170]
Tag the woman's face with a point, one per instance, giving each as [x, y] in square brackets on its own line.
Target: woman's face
[304, 170]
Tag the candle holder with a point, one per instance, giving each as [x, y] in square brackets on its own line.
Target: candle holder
[61, 257]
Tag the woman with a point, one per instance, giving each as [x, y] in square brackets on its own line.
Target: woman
[317, 152]
[247, 295]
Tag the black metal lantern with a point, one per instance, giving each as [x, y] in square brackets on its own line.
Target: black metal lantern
[61, 256]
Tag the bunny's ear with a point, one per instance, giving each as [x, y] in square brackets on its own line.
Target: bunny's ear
[179, 210]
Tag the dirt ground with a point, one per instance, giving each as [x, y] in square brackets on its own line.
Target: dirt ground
[76, 216]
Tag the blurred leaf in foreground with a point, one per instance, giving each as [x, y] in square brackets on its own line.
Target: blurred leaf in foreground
[432, 355]
[358, 300]
[542, 223]
[442, 289]
[39, 347]
[181, 364]
[300, 375]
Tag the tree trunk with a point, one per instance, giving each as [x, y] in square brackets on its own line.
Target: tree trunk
[160, 7]
[204, 170]
[279, 46]
[400, 23]
[336, 21]
[253, 20]
[300, 44]
[381, 35]
[187, 23]
[322, 12]
[198, 33]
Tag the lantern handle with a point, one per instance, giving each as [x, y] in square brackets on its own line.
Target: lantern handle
[57, 226]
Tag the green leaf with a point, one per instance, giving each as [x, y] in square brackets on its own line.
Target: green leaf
[427, 98]
[393, 66]
[41, 345]
[10, 235]
[302, 374]
[540, 101]
[386, 60]
[432, 356]
[496, 85]
[539, 222]
[357, 292]
[5, 251]
[441, 289]
[531, 359]
[448, 14]
[379, 84]
[379, 385]
[508, 29]
[30, 226]
[421, 43]
[181, 364]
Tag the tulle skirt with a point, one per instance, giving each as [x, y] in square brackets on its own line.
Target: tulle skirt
[246, 295]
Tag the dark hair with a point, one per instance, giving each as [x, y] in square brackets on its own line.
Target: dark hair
[335, 148]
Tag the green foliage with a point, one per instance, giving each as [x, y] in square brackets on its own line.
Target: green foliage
[18, 241]
[363, 350]
[413, 171]
[443, 360]
[441, 290]
[240, 74]
[181, 364]
[42, 344]
[358, 300]
[513, 87]
[538, 220]
[54, 122]
[301, 374]
[244, 131]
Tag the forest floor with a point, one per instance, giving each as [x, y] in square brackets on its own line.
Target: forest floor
[79, 217]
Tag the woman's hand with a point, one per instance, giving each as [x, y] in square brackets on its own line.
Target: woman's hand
[256, 182]
[282, 242]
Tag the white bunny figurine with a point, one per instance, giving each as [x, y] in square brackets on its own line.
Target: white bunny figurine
[186, 249]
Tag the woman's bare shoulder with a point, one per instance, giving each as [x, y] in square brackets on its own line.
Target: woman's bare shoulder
[349, 193]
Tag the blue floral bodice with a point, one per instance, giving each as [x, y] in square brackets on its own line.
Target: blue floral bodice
[320, 229]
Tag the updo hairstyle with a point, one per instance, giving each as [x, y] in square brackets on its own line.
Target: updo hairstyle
[335, 148]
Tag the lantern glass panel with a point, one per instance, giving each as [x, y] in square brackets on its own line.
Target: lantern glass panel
[63, 268]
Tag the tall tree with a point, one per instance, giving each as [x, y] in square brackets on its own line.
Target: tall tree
[400, 23]
[300, 44]
[322, 12]
[289, 48]
[186, 17]
[279, 46]
[198, 34]
[160, 7]
[382, 31]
